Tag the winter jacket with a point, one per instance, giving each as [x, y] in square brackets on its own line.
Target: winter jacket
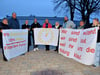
[13, 23]
[49, 25]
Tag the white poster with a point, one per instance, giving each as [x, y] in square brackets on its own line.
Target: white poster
[46, 36]
[68, 42]
[15, 42]
[78, 44]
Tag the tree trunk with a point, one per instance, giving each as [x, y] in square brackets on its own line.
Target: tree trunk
[83, 16]
[87, 22]
[86, 18]
[72, 13]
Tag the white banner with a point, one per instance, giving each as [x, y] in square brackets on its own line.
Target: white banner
[78, 44]
[15, 42]
[46, 36]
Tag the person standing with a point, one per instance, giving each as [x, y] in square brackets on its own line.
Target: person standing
[26, 26]
[68, 24]
[47, 25]
[13, 22]
[57, 26]
[97, 54]
[82, 24]
[3, 26]
[35, 25]
[96, 24]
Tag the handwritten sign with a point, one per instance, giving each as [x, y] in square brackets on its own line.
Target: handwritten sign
[15, 42]
[78, 44]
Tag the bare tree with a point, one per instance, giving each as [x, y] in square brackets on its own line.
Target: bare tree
[85, 7]
[65, 5]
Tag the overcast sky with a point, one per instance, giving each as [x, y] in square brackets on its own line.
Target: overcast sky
[27, 7]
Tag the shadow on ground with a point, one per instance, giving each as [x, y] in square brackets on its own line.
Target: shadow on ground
[47, 72]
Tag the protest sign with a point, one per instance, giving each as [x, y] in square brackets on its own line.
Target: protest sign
[15, 42]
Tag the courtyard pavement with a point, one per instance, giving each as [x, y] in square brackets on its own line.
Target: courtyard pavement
[45, 63]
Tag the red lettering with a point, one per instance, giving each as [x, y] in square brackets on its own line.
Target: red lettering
[63, 38]
[11, 40]
[89, 50]
[77, 56]
[71, 46]
[73, 39]
[22, 44]
[90, 32]
[63, 44]
[80, 48]
[10, 47]
[75, 33]
[6, 34]
[64, 31]
[5, 47]
[65, 52]
[83, 40]
[15, 46]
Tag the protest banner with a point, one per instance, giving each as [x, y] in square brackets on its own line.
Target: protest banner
[46, 36]
[78, 44]
[15, 42]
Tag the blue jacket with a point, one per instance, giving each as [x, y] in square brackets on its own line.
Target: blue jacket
[13, 23]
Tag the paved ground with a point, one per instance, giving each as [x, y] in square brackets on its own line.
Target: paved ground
[45, 63]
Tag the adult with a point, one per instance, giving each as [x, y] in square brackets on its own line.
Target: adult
[47, 25]
[96, 24]
[35, 24]
[26, 26]
[82, 24]
[57, 26]
[97, 54]
[3, 26]
[13, 22]
[68, 24]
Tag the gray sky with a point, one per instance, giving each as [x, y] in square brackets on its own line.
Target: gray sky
[27, 7]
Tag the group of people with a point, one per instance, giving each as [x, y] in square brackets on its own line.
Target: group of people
[13, 23]
[35, 24]
[94, 24]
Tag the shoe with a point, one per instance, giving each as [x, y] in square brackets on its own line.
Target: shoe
[94, 65]
[47, 50]
[55, 50]
[34, 49]
[22, 54]
[5, 59]
[37, 49]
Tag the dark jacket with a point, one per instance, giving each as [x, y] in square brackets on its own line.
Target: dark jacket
[33, 25]
[0, 23]
[3, 26]
[81, 27]
[29, 38]
[25, 26]
[98, 35]
[87, 26]
[37, 25]
[13, 23]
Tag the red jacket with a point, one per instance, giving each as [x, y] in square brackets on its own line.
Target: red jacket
[49, 25]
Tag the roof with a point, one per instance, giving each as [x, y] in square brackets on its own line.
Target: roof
[32, 17]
